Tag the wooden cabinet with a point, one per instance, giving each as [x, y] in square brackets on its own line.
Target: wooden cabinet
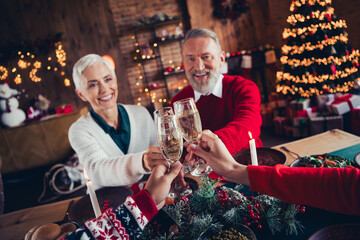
[36, 144]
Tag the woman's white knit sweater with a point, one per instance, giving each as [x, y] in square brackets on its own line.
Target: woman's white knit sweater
[105, 163]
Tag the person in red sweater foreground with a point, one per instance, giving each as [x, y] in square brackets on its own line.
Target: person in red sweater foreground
[126, 221]
[228, 105]
[333, 189]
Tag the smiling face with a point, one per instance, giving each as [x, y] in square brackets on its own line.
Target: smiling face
[99, 87]
[203, 60]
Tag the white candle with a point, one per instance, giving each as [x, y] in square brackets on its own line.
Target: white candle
[92, 194]
[254, 160]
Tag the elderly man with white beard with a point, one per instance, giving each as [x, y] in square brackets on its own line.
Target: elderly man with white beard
[228, 105]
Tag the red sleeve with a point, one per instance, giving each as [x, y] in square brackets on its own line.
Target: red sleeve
[333, 189]
[246, 103]
[146, 204]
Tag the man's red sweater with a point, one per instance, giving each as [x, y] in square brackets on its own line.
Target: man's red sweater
[232, 116]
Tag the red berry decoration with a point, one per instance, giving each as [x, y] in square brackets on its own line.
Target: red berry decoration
[259, 226]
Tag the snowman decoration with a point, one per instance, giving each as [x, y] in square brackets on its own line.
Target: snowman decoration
[11, 115]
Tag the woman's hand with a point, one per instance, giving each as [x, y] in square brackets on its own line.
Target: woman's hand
[159, 183]
[153, 157]
[215, 153]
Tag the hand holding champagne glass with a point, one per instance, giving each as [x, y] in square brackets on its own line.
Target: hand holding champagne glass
[171, 143]
[190, 123]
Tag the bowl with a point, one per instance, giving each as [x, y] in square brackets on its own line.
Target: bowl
[266, 157]
[240, 228]
[357, 160]
[335, 232]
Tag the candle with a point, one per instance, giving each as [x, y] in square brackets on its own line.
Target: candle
[93, 198]
[254, 160]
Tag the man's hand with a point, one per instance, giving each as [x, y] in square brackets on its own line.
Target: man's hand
[159, 183]
[215, 153]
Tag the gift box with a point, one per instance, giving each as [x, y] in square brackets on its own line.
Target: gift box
[300, 104]
[343, 104]
[320, 123]
[322, 100]
[279, 125]
[300, 127]
[64, 109]
[305, 112]
[278, 103]
[355, 121]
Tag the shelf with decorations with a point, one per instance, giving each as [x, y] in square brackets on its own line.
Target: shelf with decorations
[158, 56]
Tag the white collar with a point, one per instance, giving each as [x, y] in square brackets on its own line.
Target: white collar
[217, 90]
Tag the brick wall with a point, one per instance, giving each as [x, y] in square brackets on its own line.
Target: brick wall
[125, 14]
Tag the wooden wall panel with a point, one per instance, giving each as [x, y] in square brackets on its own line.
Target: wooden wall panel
[87, 27]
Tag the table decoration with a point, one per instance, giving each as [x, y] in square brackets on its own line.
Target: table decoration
[211, 208]
[265, 156]
[254, 160]
[93, 198]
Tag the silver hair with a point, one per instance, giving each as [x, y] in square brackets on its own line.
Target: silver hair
[201, 32]
[85, 62]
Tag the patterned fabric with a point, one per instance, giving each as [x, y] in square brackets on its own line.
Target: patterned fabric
[81, 233]
[107, 226]
[140, 218]
[129, 222]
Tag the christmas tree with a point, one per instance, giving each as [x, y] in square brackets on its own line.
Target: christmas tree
[317, 58]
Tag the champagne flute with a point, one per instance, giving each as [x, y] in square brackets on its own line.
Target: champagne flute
[190, 123]
[171, 144]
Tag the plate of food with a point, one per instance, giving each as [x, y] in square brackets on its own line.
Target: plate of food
[323, 160]
[266, 157]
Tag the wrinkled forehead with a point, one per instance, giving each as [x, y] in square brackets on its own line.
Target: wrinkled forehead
[200, 45]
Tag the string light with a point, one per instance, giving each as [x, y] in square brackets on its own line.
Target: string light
[60, 54]
[23, 64]
[67, 82]
[4, 73]
[18, 79]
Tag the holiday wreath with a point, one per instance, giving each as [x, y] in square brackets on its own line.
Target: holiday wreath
[211, 208]
[231, 9]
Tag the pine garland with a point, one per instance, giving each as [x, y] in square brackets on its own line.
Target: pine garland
[210, 208]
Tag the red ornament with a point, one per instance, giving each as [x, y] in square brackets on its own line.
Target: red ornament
[347, 52]
[233, 54]
[333, 68]
[259, 226]
[315, 74]
[328, 17]
[326, 37]
[247, 224]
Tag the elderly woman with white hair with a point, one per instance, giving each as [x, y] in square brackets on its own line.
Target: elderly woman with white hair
[116, 143]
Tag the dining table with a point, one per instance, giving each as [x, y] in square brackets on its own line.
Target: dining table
[15, 225]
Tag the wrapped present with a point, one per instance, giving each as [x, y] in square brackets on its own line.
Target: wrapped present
[280, 103]
[355, 121]
[305, 112]
[343, 104]
[300, 127]
[64, 109]
[320, 123]
[275, 96]
[279, 125]
[322, 100]
[300, 104]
